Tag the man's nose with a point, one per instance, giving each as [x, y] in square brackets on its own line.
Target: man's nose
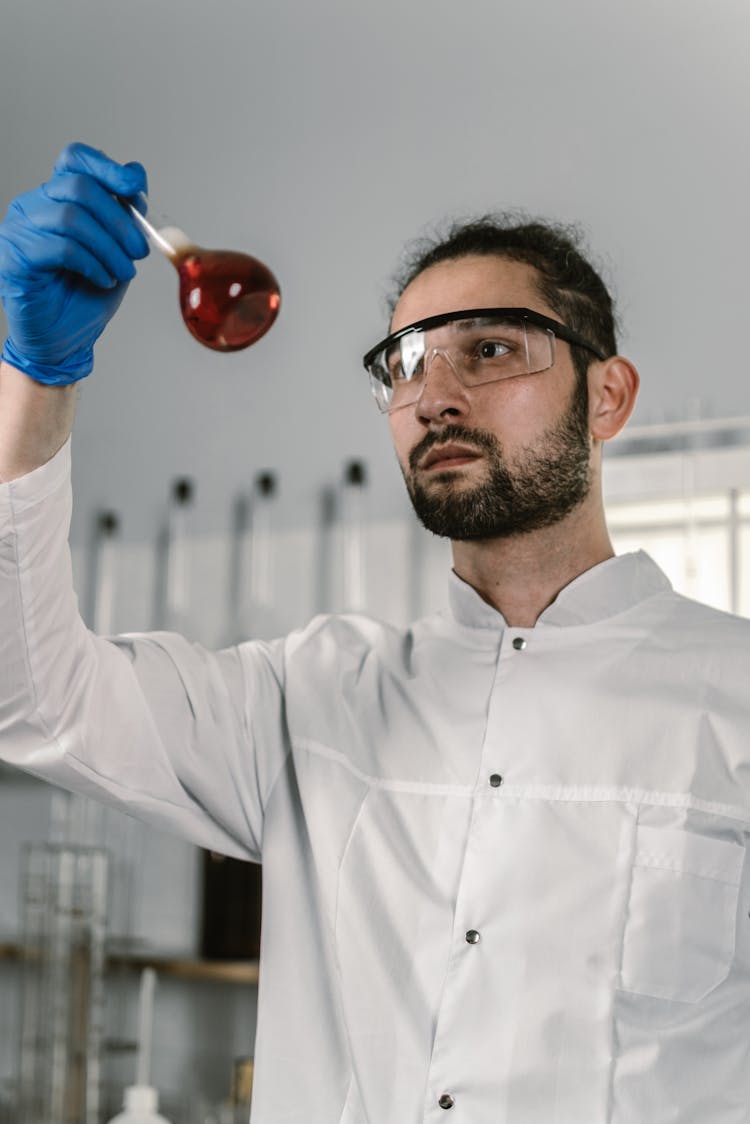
[442, 390]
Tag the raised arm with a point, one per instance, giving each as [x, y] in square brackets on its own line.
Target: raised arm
[35, 421]
[66, 257]
[153, 723]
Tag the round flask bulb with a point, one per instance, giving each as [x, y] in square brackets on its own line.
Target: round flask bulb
[228, 299]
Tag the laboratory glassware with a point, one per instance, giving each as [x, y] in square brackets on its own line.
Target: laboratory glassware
[62, 1002]
[253, 614]
[228, 299]
[250, 604]
[262, 541]
[174, 608]
[352, 525]
[105, 572]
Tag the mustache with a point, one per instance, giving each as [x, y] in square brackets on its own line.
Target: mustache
[454, 432]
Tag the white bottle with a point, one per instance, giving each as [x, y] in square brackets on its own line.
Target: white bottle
[140, 1107]
[141, 1101]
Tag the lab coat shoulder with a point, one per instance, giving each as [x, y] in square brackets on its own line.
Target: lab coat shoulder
[183, 738]
[705, 654]
[373, 696]
[336, 651]
[719, 640]
[219, 724]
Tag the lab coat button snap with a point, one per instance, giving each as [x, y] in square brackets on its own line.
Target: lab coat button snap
[473, 937]
[496, 780]
[519, 643]
[446, 1101]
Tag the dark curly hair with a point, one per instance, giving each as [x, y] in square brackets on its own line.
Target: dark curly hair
[566, 280]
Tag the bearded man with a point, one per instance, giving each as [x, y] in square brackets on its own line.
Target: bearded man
[504, 848]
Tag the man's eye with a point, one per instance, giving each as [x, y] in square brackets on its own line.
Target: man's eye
[401, 373]
[493, 349]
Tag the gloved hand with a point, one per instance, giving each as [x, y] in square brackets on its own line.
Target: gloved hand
[66, 258]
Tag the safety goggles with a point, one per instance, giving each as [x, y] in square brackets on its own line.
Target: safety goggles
[480, 345]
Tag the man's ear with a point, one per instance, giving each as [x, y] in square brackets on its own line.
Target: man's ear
[613, 389]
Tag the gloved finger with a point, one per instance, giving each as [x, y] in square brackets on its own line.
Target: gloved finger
[81, 191]
[139, 200]
[45, 216]
[32, 220]
[120, 179]
[28, 253]
[29, 257]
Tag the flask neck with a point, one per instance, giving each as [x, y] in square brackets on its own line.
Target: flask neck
[162, 234]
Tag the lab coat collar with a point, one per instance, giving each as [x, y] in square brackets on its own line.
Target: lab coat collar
[605, 590]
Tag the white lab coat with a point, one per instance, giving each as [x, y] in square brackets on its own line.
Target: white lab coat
[504, 869]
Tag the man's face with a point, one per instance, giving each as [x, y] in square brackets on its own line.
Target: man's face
[499, 459]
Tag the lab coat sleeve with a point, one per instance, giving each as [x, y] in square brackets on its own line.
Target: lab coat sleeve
[188, 740]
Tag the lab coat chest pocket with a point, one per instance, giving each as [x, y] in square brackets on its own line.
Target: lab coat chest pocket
[681, 921]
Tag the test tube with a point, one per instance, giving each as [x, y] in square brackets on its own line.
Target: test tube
[352, 523]
[105, 572]
[261, 589]
[253, 615]
[176, 582]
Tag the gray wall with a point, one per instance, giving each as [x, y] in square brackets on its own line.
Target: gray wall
[322, 137]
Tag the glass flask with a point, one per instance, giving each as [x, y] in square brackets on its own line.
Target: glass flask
[352, 527]
[228, 299]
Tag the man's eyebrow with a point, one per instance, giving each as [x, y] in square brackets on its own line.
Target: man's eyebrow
[481, 322]
[464, 324]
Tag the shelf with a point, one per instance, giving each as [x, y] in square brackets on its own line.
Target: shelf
[225, 971]
[228, 971]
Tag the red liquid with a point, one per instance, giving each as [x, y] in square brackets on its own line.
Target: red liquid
[228, 299]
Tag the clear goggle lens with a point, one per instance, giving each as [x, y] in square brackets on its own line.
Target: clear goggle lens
[478, 349]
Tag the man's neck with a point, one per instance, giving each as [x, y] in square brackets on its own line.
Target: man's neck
[520, 576]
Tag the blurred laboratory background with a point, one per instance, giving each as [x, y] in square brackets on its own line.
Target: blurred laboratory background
[237, 495]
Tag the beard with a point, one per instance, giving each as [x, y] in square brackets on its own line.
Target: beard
[538, 488]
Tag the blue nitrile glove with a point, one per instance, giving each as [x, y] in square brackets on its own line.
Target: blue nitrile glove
[66, 257]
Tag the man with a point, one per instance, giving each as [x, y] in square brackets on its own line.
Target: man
[504, 850]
